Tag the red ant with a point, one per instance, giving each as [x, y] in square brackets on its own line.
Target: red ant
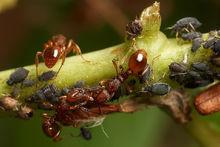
[55, 49]
[82, 104]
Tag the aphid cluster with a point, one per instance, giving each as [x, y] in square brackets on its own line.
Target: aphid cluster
[186, 29]
[197, 75]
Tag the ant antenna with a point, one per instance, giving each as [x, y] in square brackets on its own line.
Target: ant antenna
[103, 130]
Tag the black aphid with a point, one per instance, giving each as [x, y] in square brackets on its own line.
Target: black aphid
[158, 88]
[196, 44]
[215, 60]
[49, 93]
[191, 35]
[133, 29]
[86, 134]
[177, 67]
[17, 76]
[46, 76]
[186, 24]
[146, 74]
[28, 83]
[79, 84]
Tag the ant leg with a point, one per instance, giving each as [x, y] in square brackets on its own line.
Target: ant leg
[63, 56]
[115, 64]
[37, 61]
[75, 48]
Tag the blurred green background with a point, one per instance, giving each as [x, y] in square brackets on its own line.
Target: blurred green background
[94, 24]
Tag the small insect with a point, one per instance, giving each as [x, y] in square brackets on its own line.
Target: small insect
[208, 101]
[133, 29]
[46, 76]
[17, 76]
[45, 97]
[187, 24]
[191, 35]
[55, 49]
[28, 83]
[196, 44]
[198, 75]
[177, 67]
[215, 60]
[85, 133]
[213, 43]
[158, 88]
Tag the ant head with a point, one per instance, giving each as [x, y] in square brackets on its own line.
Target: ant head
[138, 62]
[59, 40]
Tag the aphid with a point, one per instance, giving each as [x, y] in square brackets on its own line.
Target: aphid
[208, 101]
[46, 76]
[198, 75]
[200, 66]
[158, 88]
[85, 133]
[79, 84]
[177, 67]
[46, 94]
[17, 76]
[191, 35]
[146, 74]
[215, 60]
[196, 44]
[55, 49]
[25, 112]
[187, 24]
[28, 83]
[133, 29]
[214, 44]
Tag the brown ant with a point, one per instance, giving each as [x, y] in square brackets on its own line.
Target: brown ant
[81, 104]
[55, 49]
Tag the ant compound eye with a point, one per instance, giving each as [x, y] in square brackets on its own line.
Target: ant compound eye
[138, 61]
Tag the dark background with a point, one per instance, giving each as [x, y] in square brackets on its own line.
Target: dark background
[94, 24]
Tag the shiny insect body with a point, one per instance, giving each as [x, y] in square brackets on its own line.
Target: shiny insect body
[55, 49]
[82, 104]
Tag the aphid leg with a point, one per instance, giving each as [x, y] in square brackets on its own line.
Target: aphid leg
[192, 27]
[75, 48]
[37, 61]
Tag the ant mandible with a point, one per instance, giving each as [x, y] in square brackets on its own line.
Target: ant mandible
[55, 49]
